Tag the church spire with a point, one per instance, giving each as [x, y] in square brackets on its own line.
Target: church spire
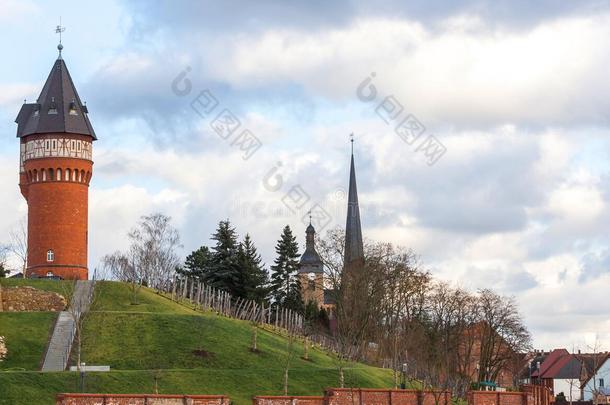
[354, 251]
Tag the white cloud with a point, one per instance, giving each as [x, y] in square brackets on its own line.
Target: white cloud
[13, 95]
[465, 72]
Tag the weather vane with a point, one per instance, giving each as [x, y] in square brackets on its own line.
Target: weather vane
[309, 212]
[58, 30]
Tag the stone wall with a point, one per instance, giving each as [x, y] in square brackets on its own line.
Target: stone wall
[16, 299]
[140, 399]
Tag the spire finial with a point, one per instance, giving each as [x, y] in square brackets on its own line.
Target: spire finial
[351, 139]
[58, 30]
[309, 212]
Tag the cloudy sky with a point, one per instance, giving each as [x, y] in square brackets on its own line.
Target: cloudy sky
[516, 96]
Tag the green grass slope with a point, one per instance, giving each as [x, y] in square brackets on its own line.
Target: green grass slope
[187, 352]
[26, 335]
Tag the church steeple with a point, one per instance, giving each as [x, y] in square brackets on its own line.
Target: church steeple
[354, 251]
[310, 260]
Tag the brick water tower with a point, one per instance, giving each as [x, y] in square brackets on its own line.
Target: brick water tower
[56, 165]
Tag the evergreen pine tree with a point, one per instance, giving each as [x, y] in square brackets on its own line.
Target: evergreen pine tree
[224, 269]
[285, 285]
[198, 263]
[254, 276]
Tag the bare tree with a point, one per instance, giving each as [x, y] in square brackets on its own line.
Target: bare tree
[290, 351]
[502, 333]
[156, 242]
[592, 371]
[125, 267]
[78, 307]
[390, 312]
[18, 245]
[151, 258]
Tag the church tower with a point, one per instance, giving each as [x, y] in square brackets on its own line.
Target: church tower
[56, 165]
[311, 271]
[354, 250]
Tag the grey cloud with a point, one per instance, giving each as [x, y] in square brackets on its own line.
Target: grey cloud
[594, 265]
[245, 16]
[480, 194]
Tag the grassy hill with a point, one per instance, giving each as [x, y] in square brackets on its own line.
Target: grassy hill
[27, 333]
[184, 350]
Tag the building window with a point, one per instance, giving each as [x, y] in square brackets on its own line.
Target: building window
[50, 255]
[601, 383]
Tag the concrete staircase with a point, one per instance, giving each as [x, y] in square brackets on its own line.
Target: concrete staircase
[58, 352]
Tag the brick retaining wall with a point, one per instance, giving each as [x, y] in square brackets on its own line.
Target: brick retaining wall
[500, 398]
[140, 399]
[333, 396]
[287, 400]
[362, 396]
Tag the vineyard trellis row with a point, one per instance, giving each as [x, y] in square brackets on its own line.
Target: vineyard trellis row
[207, 297]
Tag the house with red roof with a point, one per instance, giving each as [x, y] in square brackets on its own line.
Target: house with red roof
[579, 376]
[560, 371]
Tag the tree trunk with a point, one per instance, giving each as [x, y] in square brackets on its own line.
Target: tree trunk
[395, 377]
[78, 346]
[341, 378]
[286, 381]
[306, 348]
[1, 307]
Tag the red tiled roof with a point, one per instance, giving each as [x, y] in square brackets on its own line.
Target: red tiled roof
[549, 361]
[555, 369]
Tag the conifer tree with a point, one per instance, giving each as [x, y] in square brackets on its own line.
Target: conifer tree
[285, 285]
[224, 269]
[198, 264]
[254, 276]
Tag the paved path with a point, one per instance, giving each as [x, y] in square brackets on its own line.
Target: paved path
[58, 352]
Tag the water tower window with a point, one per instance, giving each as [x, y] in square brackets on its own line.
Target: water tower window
[72, 109]
[53, 106]
[50, 255]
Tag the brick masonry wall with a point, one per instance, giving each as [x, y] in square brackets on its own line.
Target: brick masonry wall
[338, 396]
[58, 219]
[16, 299]
[347, 396]
[541, 395]
[288, 400]
[334, 396]
[136, 399]
[499, 398]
